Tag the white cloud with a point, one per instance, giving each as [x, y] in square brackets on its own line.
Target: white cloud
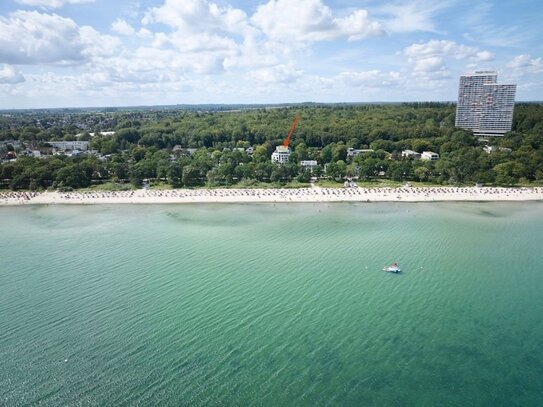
[321, 83]
[213, 38]
[145, 33]
[484, 56]
[525, 63]
[207, 37]
[430, 57]
[52, 3]
[415, 15]
[30, 37]
[369, 79]
[101, 88]
[159, 61]
[312, 20]
[122, 27]
[197, 51]
[96, 44]
[255, 52]
[278, 74]
[430, 64]
[226, 34]
[196, 43]
[10, 75]
[195, 16]
[444, 48]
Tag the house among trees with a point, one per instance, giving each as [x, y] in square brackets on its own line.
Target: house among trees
[353, 152]
[308, 164]
[429, 156]
[410, 154]
[280, 155]
[491, 149]
[182, 151]
[70, 145]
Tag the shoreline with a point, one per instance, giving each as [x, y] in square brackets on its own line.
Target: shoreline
[296, 195]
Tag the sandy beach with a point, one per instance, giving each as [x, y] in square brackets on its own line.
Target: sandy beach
[404, 194]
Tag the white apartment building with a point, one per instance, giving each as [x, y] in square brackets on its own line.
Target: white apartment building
[280, 155]
[484, 106]
[497, 117]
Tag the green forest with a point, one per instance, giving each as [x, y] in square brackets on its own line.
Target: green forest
[181, 147]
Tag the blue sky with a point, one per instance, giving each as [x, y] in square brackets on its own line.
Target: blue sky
[77, 53]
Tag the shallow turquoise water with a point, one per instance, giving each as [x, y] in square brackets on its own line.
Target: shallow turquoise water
[272, 305]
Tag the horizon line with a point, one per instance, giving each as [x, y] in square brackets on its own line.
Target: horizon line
[277, 104]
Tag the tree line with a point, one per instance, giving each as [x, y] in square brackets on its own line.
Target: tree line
[144, 147]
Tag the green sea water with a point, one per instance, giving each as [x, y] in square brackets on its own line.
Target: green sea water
[272, 305]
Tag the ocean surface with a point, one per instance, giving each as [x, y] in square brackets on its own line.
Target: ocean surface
[272, 305]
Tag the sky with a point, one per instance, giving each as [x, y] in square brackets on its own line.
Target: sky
[85, 53]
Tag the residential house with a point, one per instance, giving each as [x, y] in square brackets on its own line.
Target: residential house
[429, 156]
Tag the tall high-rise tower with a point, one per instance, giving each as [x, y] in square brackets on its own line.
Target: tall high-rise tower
[483, 105]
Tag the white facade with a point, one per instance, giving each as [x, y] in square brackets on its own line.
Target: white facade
[410, 154]
[499, 102]
[491, 149]
[280, 155]
[308, 164]
[429, 156]
[484, 106]
[353, 152]
[70, 145]
[102, 133]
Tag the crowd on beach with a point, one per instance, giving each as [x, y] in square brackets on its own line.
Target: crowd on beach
[405, 193]
[97, 194]
[26, 196]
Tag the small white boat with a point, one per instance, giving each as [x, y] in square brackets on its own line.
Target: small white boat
[393, 268]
